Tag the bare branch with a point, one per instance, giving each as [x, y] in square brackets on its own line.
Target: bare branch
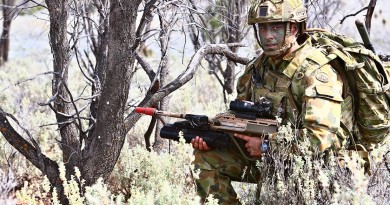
[370, 12]
[222, 49]
[78, 58]
[31, 152]
[28, 79]
[37, 4]
[183, 78]
[145, 65]
[354, 14]
[147, 17]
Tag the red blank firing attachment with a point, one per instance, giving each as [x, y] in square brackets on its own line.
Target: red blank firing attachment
[145, 110]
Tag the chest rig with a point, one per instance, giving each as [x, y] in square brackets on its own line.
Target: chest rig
[284, 85]
[267, 83]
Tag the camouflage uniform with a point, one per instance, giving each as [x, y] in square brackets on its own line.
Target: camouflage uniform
[302, 82]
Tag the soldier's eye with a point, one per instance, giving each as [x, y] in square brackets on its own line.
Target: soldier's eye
[277, 27]
[262, 28]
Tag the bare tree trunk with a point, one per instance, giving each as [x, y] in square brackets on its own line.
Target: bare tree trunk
[8, 14]
[160, 144]
[62, 106]
[109, 134]
[100, 51]
[233, 35]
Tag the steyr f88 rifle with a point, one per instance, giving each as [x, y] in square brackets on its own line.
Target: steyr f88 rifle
[243, 117]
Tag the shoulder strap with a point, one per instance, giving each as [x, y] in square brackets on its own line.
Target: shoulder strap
[290, 72]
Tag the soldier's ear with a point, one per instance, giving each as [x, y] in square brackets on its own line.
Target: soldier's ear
[294, 29]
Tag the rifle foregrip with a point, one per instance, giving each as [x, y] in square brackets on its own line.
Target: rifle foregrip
[213, 139]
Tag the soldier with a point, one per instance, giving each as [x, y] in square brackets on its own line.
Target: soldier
[296, 77]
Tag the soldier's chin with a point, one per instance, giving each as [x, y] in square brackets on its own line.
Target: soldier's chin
[275, 53]
[272, 52]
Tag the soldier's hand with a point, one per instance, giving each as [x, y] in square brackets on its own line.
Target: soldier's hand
[252, 144]
[198, 143]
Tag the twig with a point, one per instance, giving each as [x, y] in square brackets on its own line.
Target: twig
[28, 79]
[183, 78]
[354, 14]
[370, 12]
[387, 164]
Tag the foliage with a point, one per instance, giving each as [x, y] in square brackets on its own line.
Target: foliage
[304, 177]
[142, 177]
[150, 178]
[295, 174]
[21, 90]
[7, 184]
[165, 178]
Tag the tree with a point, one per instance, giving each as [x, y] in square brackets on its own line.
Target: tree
[322, 12]
[221, 22]
[9, 12]
[103, 144]
[93, 129]
[92, 141]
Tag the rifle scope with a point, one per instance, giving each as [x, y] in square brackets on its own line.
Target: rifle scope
[261, 109]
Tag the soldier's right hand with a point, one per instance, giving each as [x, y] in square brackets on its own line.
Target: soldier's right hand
[198, 143]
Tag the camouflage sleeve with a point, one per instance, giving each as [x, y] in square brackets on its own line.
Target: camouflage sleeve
[321, 107]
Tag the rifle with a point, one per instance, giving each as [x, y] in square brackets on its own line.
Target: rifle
[244, 117]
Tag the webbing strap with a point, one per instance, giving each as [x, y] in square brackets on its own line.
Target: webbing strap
[335, 65]
[378, 90]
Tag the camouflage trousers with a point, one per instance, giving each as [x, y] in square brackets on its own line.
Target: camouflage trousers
[218, 168]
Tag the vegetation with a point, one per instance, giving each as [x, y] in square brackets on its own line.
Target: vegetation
[45, 168]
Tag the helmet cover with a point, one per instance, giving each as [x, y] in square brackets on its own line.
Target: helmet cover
[271, 11]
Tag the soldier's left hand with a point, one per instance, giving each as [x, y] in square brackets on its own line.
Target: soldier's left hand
[252, 144]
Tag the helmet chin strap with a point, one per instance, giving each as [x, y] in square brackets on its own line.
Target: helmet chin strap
[282, 50]
[289, 41]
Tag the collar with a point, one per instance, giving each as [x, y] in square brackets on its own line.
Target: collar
[290, 62]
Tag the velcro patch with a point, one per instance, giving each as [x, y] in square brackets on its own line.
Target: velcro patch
[323, 77]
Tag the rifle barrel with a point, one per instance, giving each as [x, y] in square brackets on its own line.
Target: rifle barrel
[154, 112]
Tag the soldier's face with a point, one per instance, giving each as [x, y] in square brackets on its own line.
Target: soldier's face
[272, 35]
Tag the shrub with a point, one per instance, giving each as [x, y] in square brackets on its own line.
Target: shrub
[295, 174]
[7, 185]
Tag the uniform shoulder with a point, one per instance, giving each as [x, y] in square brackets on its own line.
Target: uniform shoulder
[254, 62]
[314, 59]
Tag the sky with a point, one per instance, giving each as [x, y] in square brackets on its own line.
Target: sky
[29, 33]
[380, 29]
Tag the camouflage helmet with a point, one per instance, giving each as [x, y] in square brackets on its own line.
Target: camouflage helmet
[269, 11]
[276, 11]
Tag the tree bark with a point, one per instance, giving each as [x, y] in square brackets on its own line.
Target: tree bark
[109, 134]
[160, 145]
[8, 14]
[101, 62]
[70, 144]
[33, 154]
[370, 11]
